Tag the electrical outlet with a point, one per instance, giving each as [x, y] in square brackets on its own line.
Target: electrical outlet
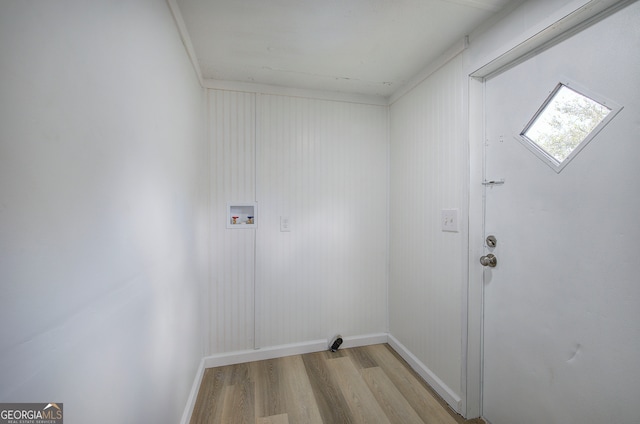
[450, 220]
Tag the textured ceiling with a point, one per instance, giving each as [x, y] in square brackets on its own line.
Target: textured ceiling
[368, 47]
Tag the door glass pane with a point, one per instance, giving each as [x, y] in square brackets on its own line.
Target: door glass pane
[564, 122]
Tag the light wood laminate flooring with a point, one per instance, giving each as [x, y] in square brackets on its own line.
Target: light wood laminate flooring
[370, 384]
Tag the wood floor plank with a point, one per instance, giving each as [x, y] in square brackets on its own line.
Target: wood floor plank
[238, 407]
[361, 358]
[362, 403]
[389, 397]
[274, 419]
[299, 399]
[269, 394]
[420, 399]
[331, 403]
[238, 373]
[209, 400]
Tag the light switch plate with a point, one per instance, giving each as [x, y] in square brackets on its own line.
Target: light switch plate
[284, 224]
[450, 220]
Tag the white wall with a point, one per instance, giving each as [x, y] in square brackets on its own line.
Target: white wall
[323, 164]
[428, 174]
[103, 209]
[230, 310]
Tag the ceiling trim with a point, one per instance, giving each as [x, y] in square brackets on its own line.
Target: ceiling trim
[248, 87]
[430, 69]
[184, 36]
[490, 5]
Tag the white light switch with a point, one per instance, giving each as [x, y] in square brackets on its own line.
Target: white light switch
[284, 224]
[450, 220]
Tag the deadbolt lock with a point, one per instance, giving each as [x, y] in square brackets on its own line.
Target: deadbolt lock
[491, 241]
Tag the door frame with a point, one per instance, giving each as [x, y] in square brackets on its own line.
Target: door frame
[555, 31]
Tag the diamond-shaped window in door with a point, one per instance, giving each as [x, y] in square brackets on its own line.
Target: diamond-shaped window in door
[564, 124]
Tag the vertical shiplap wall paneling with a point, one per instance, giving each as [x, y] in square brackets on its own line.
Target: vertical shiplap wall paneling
[323, 164]
[231, 296]
[428, 159]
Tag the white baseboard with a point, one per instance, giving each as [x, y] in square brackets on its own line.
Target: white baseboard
[429, 376]
[250, 355]
[366, 340]
[193, 395]
[239, 357]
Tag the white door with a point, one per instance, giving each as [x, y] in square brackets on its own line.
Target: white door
[562, 306]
